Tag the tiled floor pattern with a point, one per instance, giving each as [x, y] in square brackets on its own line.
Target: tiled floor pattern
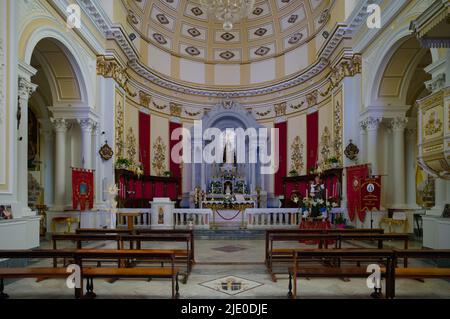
[222, 267]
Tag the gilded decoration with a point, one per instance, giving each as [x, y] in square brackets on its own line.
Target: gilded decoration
[264, 114]
[131, 145]
[158, 106]
[337, 127]
[280, 109]
[110, 68]
[297, 163]
[325, 144]
[297, 106]
[159, 157]
[175, 109]
[351, 151]
[311, 98]
[119, 130]
[192, 114]
[144, 99]
[433, 124]
[347, 67]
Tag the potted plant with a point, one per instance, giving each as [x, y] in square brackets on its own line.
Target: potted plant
[123, 163]
[339, 222]
[167, 173]
[293, 173]
[333, 161]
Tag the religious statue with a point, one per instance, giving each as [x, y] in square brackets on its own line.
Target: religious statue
[161, 215]
[315, 204]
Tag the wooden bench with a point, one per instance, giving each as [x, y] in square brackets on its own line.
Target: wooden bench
[318, 231]
[184, 255]
[181, 255]
[284, 255]
[141, 232]
[119, 273]
[420, 272]
[80, 256]
[385, 257]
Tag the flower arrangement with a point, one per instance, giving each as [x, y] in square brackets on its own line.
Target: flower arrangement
[293, 173]
[123, 163]
[240, 187]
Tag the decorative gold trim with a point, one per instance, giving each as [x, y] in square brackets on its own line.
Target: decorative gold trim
[297, 162]
[159, 157]
[110, 68]
[175, 109]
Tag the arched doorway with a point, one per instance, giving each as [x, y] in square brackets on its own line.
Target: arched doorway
[52, 117]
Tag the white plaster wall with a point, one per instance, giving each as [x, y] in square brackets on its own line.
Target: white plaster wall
[192, 71]
[262, 71]
[296, 60]
[227, 74]
[159, 60]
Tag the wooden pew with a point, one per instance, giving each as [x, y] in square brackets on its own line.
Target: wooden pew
[319, 231]
[420, 272]
[103, 231]
[284, 255]
[80, 256]
[172, 231]
[185, 255]
[80, 238]
[119, 273]
[386, 257]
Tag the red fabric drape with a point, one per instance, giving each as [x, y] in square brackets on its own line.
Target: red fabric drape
[175, 168]
[144, 141]
[281, 129]
[355, 176]
[82, 188]
[312, 140]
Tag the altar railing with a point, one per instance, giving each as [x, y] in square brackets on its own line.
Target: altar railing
[195, 218]
[258, 218]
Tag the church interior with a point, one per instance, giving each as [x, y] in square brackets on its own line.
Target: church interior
[224, 149]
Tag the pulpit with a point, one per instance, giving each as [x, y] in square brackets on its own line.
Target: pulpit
[162, 213]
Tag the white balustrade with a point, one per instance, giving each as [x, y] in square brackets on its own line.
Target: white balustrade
[195, 218]
[260, 218]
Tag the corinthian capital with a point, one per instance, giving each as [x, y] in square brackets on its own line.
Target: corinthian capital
[399, 123]
[60, 125]
[26, 88]
[372, 123]
[87, 125]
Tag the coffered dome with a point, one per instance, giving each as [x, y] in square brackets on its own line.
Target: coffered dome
[184, 29]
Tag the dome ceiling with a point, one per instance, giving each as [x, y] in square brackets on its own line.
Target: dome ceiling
[183, 28]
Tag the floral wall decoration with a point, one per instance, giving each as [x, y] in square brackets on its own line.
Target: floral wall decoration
[297, 163]
[325, 144]
[337, 127]
[131, 145]
[159, 157]
[119, 130]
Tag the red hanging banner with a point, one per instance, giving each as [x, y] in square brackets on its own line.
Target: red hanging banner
[281, 129]
[355, 176]
[82, 188]
[370, 194]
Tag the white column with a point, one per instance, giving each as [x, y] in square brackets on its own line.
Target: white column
[47, 151]
[26, 88]
[399, 192]
[362, 142]
[61, 126]
[373, 124]
[87, 126]
[411, 160]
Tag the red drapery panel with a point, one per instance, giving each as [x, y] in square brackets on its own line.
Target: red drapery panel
[175, 168]
[144, 141]
[312, 140]
[355, 176]
[281, 129]
[82, 188]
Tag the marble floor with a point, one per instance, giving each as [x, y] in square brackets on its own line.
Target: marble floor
[223, 261]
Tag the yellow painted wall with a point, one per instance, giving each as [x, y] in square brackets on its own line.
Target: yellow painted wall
[159, 126]
[297, 127]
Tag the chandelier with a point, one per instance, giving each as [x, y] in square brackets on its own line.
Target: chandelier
[228, 11]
